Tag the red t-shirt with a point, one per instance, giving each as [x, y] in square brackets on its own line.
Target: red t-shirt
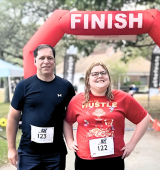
[102, 118]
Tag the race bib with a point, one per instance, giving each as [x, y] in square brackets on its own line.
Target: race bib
[101, 147]
[42, 134]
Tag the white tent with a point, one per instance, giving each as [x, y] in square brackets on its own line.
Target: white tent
[10, 70]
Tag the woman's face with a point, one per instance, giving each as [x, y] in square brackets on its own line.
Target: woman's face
[98, 80]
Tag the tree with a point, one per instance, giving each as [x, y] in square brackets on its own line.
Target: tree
[6, 90]
[20, 19]
[143, 45]
[117, 71]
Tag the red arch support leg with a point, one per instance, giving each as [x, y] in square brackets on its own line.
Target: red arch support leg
[155, 29]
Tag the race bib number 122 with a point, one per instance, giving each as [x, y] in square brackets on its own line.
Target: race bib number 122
[101, 147]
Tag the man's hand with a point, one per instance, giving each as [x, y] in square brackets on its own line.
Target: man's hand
[13, 157]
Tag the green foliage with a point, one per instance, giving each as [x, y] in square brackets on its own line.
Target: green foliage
[128, 83]
[4, 109]
[4, 146]
[20, 19]
[1, 96]
[143, 46]
[117, 71]
[97, 5]
[137, 83]
[4, 150]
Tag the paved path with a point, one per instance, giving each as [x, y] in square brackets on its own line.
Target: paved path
[146, 155]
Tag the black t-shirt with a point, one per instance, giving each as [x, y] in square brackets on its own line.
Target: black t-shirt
[43, 104]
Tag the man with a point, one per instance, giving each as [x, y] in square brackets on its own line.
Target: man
[42, 99]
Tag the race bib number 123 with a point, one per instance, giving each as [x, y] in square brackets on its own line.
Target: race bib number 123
[42, 134]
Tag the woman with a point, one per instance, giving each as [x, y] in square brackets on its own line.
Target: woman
[100, 113]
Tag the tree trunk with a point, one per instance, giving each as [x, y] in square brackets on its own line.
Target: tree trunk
[6, 90]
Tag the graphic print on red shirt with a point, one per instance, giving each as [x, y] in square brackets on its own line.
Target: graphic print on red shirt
[101, 118]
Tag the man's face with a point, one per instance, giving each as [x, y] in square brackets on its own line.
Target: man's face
[45, 62]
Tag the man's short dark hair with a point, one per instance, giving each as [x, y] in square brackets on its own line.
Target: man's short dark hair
[42, 46]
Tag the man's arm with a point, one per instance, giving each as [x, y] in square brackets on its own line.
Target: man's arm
[12, 127]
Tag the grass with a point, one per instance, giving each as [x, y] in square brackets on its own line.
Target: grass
[3, 153]
[4, 146]
[152, 105]
[1, 95]
[4, 109]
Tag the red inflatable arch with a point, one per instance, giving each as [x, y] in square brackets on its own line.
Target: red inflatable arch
[91, 23]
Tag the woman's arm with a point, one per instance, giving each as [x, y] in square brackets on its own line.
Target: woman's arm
[68, 134]
[137, 135]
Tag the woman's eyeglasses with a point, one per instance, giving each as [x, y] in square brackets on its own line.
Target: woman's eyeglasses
[96, 74]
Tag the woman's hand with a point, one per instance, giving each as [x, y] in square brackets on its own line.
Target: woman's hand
[68, 133]
[128, 148]
[72, 146]
[138, 133]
